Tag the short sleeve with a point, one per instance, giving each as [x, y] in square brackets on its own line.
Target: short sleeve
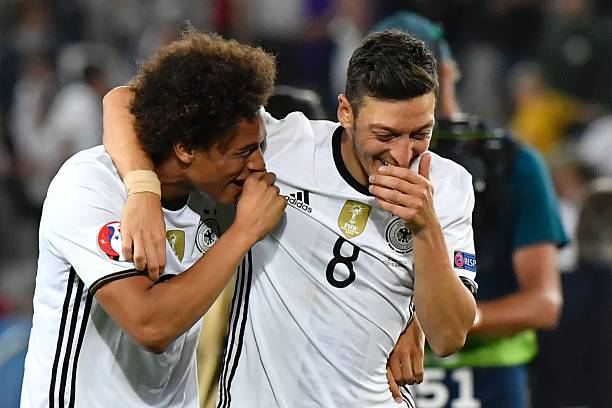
[535, 203]
[80, 223]
[459, 238]
[285, 133]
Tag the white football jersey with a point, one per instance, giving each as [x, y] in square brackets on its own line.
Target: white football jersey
[78, 356]
[322, 300]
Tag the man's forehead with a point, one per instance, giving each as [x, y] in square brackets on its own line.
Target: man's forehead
[249, 131]
[402, 115]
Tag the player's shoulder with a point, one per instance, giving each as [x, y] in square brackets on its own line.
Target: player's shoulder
[294, 131]
[296, 121]
[453, 191]
[446, 172]
[91, 168]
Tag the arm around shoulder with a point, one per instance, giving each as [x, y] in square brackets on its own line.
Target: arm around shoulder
[120, 139]
[155, 314]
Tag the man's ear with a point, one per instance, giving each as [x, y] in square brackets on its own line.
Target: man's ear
[184, 153]
[345, 112]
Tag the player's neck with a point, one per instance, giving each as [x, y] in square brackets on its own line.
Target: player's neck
[350, 159]
[175, 187]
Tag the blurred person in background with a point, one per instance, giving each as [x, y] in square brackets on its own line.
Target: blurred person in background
[350, 23]
[594, 238]
[585, 379]
[517, 231]
[34, 92]
[595, 144]
[290, 29]
[51, 125]
[569, 84]
[571, 177]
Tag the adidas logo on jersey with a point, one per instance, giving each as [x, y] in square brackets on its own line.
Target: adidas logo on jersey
[299, 200]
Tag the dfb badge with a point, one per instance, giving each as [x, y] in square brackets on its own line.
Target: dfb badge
[208, 233]
[399, 236]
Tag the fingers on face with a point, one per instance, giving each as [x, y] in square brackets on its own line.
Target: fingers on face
[408, 200]
[404, 213]
[401, 173]
[424, 165]
[405, 180]
[270, 178]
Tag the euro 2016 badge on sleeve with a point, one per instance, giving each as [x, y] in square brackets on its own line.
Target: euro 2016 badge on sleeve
[109, 240]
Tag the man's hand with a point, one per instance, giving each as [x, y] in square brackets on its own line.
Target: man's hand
[405, 365]
[260, 205]
[405, 194]
[143, 231]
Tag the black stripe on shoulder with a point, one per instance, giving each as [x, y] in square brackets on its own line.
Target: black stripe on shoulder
[113, 277]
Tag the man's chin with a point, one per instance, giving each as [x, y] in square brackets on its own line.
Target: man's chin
[227, 199]
[230, 195]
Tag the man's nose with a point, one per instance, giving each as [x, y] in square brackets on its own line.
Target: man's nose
[401, 152]
[256, 161]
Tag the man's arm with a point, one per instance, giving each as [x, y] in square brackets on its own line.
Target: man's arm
[155, 314]
[537, 303]
[445, 306]
[537, 234]
[142, 224]
[120, 140]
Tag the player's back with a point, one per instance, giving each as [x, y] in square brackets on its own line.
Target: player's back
[321, 301]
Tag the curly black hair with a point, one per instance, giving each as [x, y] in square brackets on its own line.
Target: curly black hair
[390, 65]
[196, 90]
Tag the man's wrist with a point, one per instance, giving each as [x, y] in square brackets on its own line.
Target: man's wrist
[141, 181]
[241, 239]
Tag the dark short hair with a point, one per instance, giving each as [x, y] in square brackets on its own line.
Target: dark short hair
[390, 65]
[196, 91]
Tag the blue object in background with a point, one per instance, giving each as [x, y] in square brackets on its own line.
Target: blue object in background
[14, 335]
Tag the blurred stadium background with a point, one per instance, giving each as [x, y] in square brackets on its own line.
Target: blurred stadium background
[542, 68]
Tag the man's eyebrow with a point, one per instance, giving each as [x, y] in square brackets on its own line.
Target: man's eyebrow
[248, 147]
[389, 129]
